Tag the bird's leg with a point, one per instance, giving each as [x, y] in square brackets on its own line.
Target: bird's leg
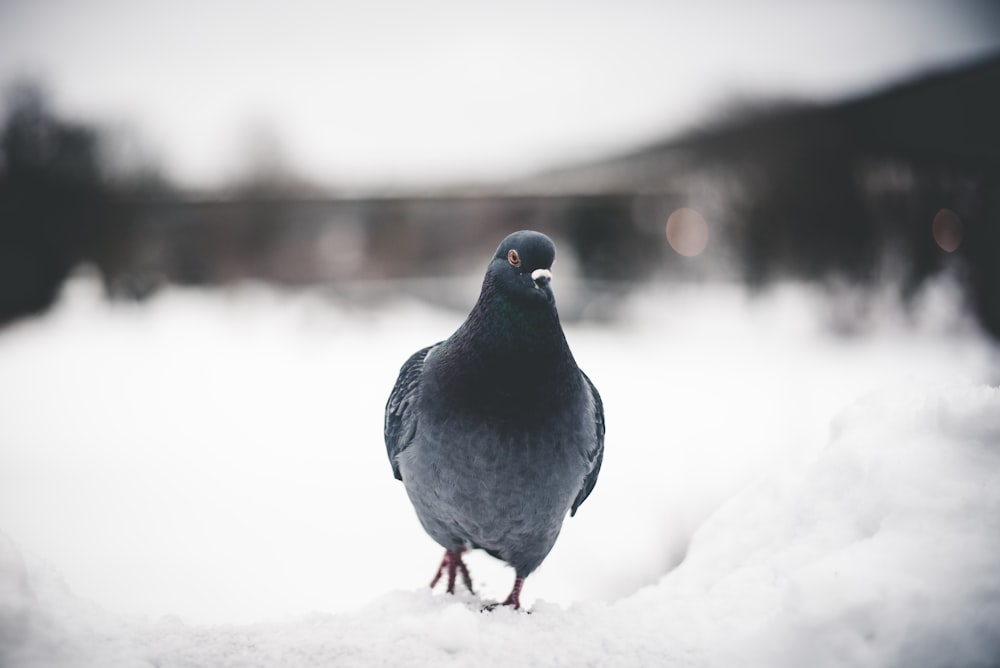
[453, 562]
[514, 598]
[466, 578]
[444, 563]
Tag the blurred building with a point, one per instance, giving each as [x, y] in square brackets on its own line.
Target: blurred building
[899, 185]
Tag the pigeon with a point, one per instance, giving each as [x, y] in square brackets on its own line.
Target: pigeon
[495, 432]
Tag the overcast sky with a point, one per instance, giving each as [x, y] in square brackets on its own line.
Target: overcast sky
[414, 92]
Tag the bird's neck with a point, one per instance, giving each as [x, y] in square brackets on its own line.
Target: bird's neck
[503, 329]
[507, 348]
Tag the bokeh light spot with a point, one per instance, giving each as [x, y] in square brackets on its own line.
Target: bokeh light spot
[687, 232]
[947, 230]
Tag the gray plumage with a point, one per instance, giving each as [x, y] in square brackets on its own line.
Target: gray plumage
[495, 432]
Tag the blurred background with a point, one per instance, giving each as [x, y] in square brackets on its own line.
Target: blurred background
[223, 227]
[370, 149]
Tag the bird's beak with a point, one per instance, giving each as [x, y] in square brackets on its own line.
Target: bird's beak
[541, 277]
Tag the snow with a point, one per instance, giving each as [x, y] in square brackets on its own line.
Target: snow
[201, 481]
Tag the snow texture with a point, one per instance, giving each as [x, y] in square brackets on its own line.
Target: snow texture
[773, 495]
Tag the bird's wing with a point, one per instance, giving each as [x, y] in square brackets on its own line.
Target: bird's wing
[400, 413]
[596, 454]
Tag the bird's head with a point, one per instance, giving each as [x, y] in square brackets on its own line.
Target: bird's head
[522, 266]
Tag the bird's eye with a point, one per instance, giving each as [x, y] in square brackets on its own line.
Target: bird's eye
[514, 258]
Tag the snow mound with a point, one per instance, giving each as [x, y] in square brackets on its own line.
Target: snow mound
[880, 552]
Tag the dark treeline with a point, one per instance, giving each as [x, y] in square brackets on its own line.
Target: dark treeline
[54, 208]
[897, 185]
[58, 207]
[908, 178]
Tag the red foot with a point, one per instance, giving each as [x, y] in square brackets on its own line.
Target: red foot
[453, 562]
[513, 599]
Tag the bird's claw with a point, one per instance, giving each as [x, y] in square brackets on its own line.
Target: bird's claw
[452, 562]
[513, 599]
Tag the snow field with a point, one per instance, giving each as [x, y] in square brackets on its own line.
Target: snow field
[205, 471]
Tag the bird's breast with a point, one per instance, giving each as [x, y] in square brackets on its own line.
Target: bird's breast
[522, 389]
